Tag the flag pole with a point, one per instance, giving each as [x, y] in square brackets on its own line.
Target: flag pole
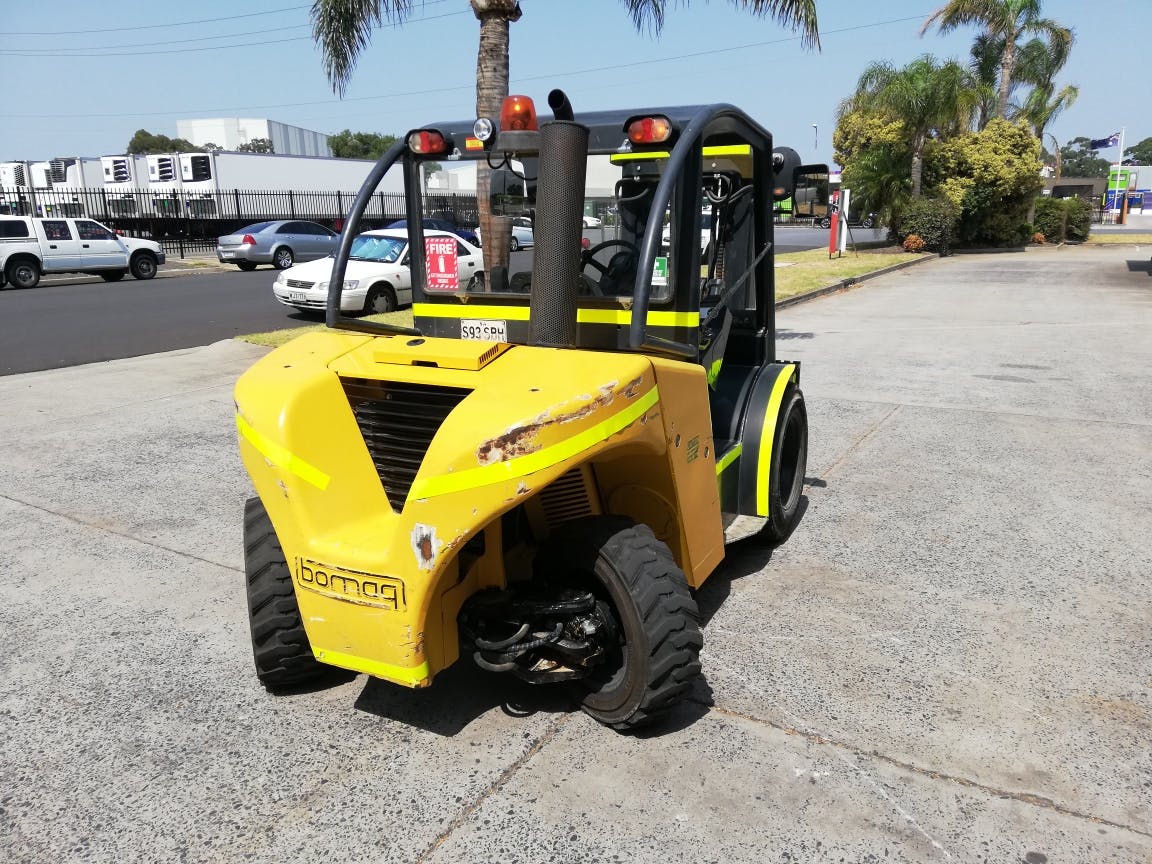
[1117, 201]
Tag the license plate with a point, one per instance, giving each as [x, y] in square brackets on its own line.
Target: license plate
[227, 254]
[296, 296]
[485, 329]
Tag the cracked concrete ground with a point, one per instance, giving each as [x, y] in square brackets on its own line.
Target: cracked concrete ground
[948, 661]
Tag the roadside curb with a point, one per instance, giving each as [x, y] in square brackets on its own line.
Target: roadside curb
[851, 282]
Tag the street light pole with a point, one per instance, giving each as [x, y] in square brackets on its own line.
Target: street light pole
[815, 139]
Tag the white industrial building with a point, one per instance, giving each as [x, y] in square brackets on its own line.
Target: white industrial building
[231, 132]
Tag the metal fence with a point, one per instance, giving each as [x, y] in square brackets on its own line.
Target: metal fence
[187, 222]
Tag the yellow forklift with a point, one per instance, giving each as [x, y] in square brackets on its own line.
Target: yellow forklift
[544, 467]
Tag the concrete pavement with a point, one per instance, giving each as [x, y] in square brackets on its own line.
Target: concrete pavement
[948, 661]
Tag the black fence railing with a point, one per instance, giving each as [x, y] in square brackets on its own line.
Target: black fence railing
[189, 222]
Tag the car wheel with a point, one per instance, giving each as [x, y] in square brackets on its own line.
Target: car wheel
[868, 223]
[280, 645]
[514, 244]
[282, 258]
[824, 223]
[246, 266]
[656, 652]
[114, 276]
[143, 265]
[23, 274]
[381, 298]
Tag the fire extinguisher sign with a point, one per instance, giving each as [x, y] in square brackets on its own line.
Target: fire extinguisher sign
[440, 253]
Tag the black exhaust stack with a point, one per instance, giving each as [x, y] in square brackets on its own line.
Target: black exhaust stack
[559, 223]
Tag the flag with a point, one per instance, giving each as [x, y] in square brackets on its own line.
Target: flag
[1112, 140]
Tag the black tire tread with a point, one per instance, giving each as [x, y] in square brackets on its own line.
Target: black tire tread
[669, 618]
[280, 647]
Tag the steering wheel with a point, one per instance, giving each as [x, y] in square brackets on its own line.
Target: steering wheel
[621, 267]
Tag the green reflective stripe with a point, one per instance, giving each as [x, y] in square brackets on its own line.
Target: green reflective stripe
[583, 316]
[469, 310]
[714, 371]
[768, 439]
[409, 675]
[719, 150]
[730, 456]
[522, 466]
[280, 456]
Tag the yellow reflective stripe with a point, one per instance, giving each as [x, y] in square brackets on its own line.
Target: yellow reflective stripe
[280, 457]
[584, 316]
[728, 458]
[521, 466]
[767, 439]
[410, 675]
[469, 310]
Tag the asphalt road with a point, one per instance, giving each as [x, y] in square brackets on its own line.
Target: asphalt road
[71, 320]
[947, 662]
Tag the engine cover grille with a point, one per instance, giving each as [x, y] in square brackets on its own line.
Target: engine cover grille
[398, 421]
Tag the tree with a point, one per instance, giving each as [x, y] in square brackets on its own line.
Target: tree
[145, 142]
[360, 145]
[1003, 22]
[931, 98]
[1078, 159]
[212, 147]
[257, 145]
[993, 176]
[343, 29]
[1040, 61]
[1139, 153]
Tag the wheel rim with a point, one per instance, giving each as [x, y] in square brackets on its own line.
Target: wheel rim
[144, 267]
[283, 259]
[23, 274]
[791, 473]
[380, 302]
[515, 244]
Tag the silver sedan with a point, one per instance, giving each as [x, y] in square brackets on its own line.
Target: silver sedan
[280, 244]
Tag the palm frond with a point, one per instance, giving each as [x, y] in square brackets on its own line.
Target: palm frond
[799, 15]
[343, 29]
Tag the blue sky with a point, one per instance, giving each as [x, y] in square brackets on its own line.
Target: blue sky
[83, 92]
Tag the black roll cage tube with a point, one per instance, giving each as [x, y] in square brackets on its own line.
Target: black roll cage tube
[689, 140]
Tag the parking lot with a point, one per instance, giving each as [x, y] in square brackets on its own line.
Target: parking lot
[948, 661]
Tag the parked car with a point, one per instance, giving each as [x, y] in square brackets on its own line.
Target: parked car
[592, 222]
[468, 235]
[281, 244]
[705, 233]
[30, 246]
[521, 234]
[377, 278]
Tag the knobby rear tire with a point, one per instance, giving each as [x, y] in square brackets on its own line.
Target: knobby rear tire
[280, 647]
[660, 624]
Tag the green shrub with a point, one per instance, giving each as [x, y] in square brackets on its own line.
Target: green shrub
[933, 220]
[1063, 219]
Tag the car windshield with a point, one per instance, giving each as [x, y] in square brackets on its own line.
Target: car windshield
[367, 247]
[255, 229]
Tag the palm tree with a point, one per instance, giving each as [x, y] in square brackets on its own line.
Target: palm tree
[343, 29]
[1039, 62]
[1004, 20]
[931, 98]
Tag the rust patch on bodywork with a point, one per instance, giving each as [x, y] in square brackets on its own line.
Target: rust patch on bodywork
[425, 545]
[521, 439]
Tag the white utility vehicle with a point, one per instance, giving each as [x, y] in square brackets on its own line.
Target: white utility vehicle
[31, 246]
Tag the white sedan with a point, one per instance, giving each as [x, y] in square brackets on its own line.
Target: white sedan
[378, 278]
